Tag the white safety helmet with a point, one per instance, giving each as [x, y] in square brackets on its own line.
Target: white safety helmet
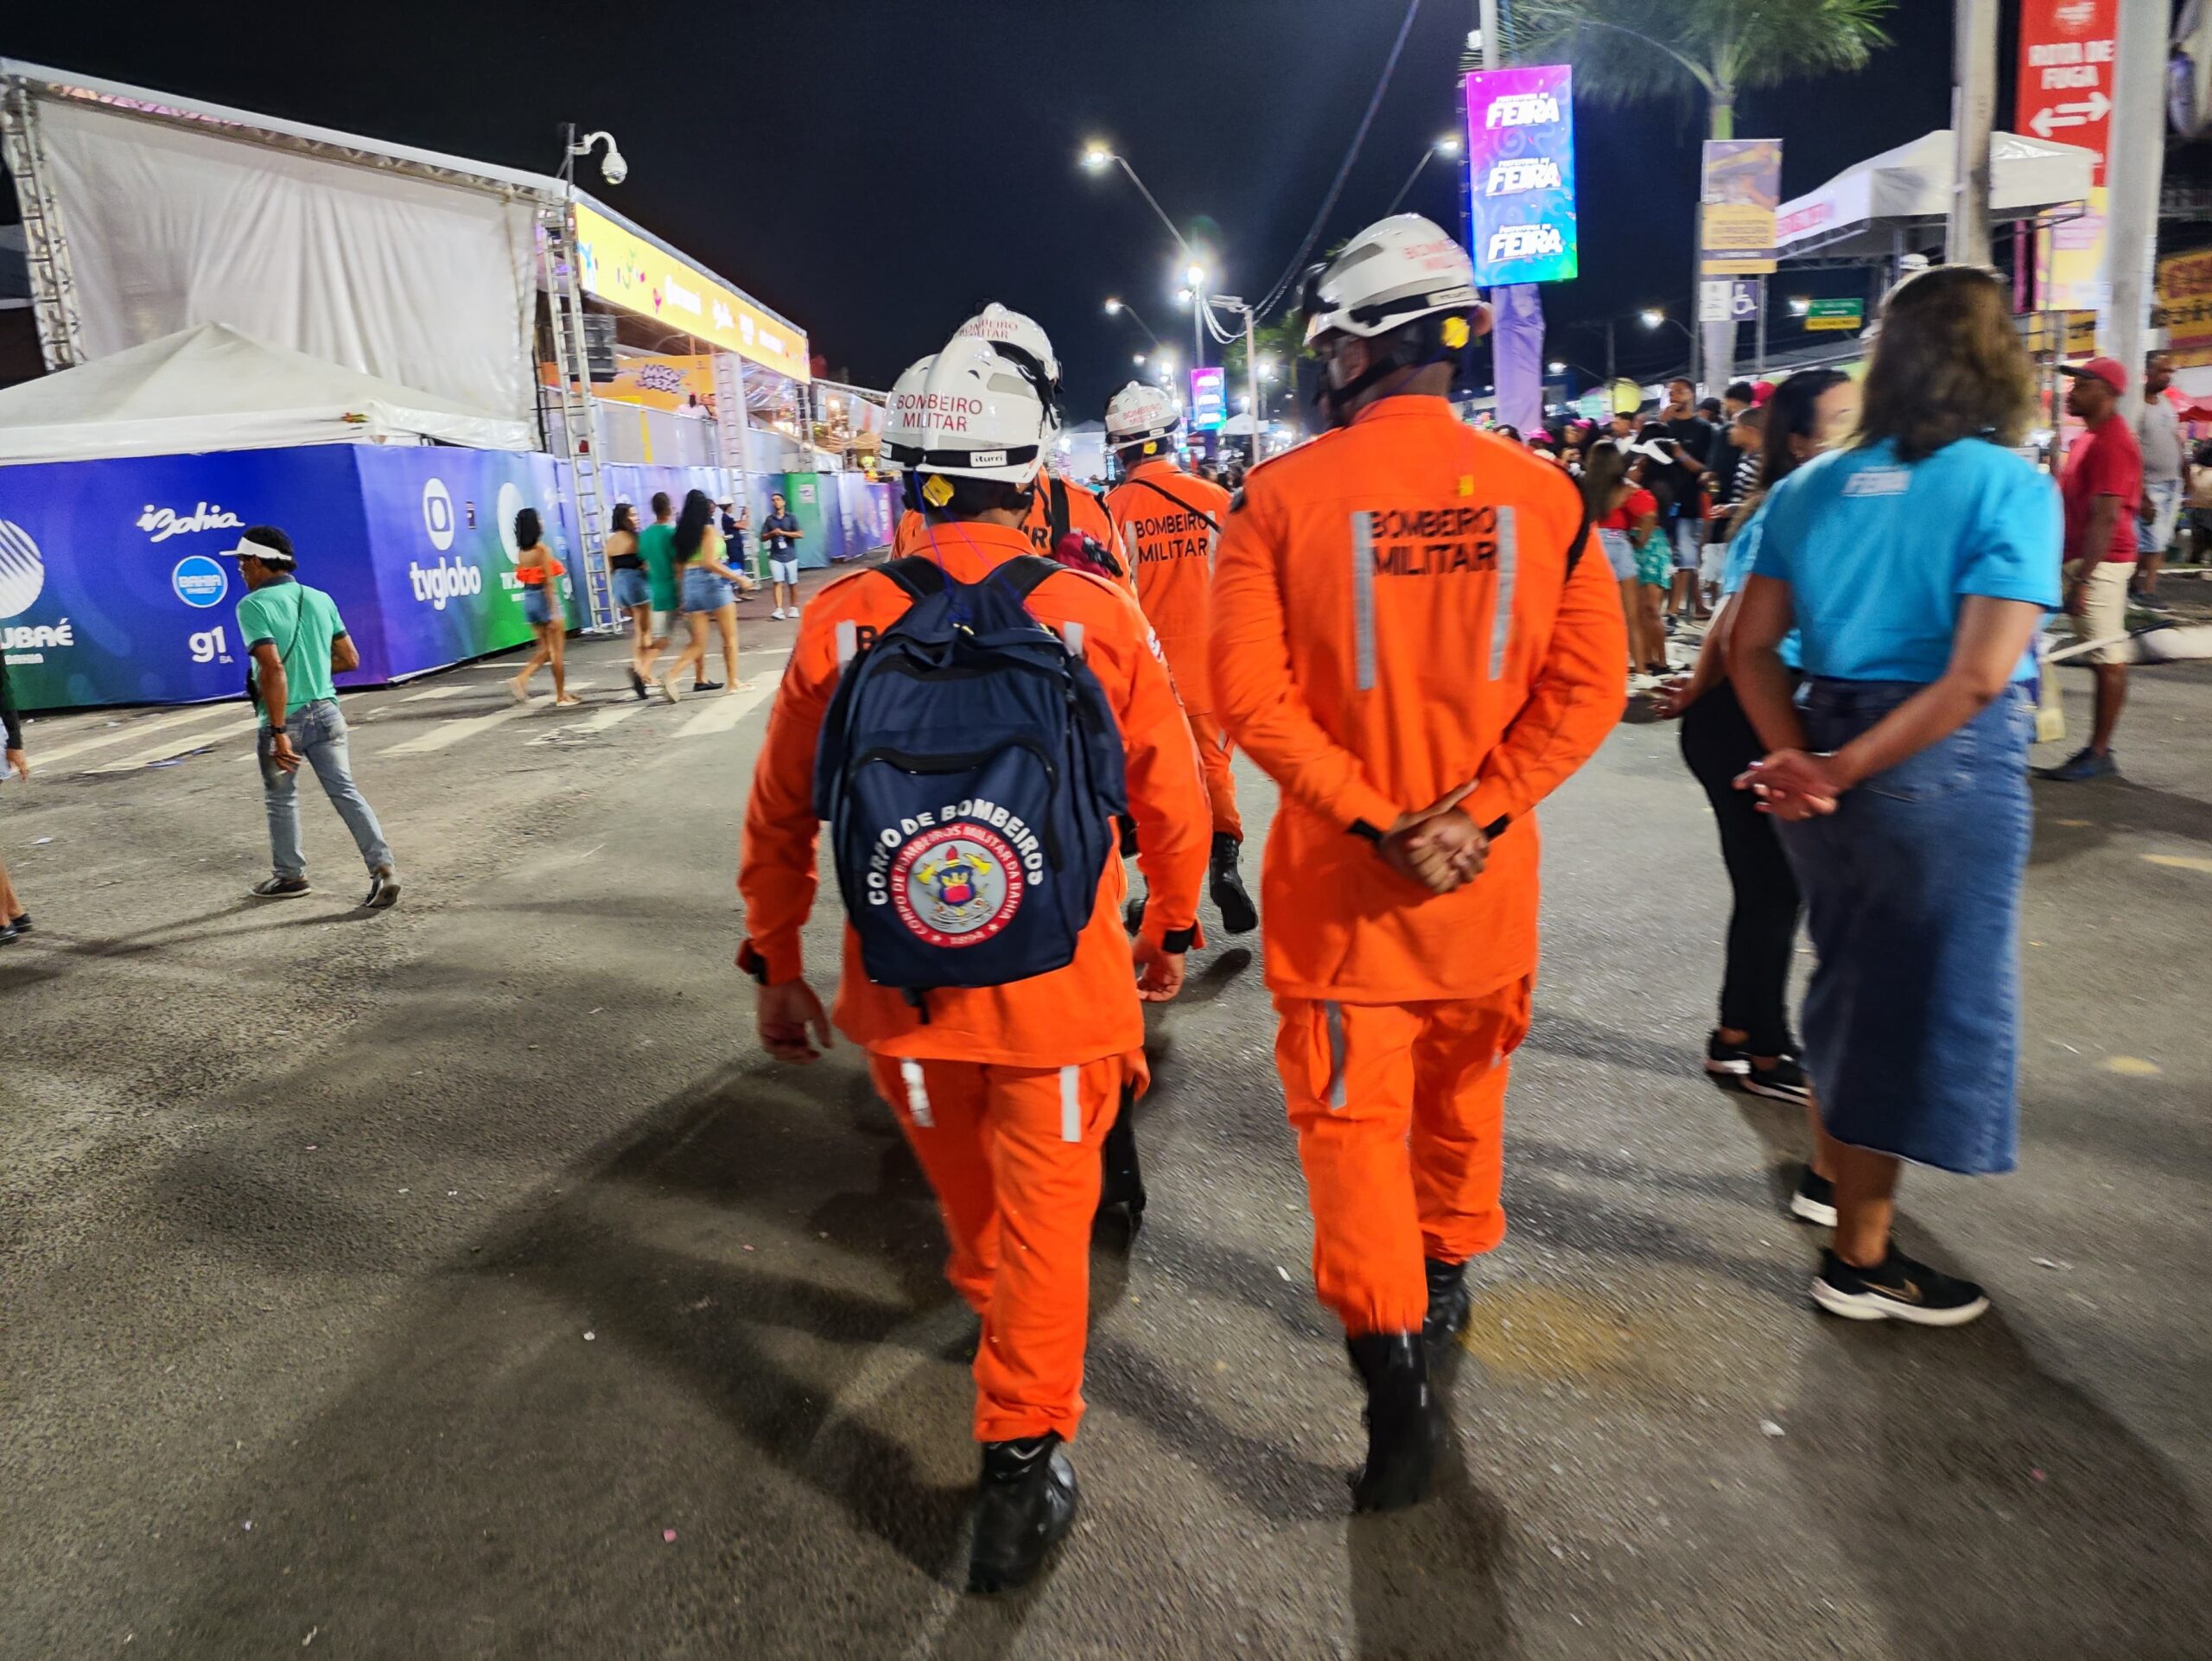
[1021, 340]
[1139, 414]
[904, 391]
[976, 414]
[1396, 270]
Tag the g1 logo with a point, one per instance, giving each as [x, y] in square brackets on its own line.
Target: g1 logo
[437, 515]
[209, 645]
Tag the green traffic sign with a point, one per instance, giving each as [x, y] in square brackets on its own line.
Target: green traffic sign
[1835, 314]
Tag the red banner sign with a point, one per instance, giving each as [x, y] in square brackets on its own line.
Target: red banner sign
[2066, 80]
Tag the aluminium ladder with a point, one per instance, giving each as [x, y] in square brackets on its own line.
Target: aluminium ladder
[575, 423]
[52, 286]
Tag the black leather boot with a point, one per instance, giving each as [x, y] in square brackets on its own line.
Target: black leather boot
[1024, 1505]
[1121, 1180]
[1403, 1430]
[1449, 1304]
[1239, 914]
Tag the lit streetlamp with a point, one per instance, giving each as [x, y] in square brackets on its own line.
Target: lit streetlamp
[1448, 146]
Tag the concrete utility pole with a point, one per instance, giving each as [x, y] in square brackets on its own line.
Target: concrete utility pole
[1973, 113]
[2133, 173]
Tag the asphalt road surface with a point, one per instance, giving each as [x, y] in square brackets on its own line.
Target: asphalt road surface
[464, 1282]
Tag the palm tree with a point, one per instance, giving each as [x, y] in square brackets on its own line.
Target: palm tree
[1634, 51]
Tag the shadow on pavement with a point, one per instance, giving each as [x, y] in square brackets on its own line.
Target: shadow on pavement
[1989, 1509]
[1424, 1582]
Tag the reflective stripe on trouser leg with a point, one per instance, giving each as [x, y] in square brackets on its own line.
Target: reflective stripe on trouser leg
[1029, 1364]
[1220, 778]
[1333, 1015]
[1462, 1061]
[953, 1148]
[1509, 561]
[917, 1092]
[1367, 1244]
[1362, 598]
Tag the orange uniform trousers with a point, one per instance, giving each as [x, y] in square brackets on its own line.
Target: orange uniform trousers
[1400, 1110]
[1221, 781]
[1013, 1155]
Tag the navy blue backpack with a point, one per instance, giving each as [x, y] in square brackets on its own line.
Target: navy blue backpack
[970, 771]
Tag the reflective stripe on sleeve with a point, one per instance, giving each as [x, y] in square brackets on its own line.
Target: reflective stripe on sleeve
[1508, 557]
[1363, 597]
[848, 643]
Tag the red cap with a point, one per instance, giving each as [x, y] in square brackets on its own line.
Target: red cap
[1761, 392]
[2106, 370]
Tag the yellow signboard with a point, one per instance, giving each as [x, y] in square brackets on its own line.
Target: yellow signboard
[1740, 191]
[624, 270]
[2185, 307]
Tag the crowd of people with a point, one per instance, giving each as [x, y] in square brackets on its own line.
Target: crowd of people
[1871, 561]
[1043, 682]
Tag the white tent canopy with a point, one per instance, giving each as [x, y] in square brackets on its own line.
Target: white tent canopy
[1907, 192]
[213, 388]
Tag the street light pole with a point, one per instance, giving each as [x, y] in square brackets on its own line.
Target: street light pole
[1116, 308]
[1973, 112]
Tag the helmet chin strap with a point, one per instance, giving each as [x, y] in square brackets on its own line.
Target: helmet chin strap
[1336, 398]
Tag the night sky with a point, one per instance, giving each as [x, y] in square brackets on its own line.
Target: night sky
[875, 169]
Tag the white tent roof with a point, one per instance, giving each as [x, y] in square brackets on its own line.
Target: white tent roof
[213, 388]
[1909, 188]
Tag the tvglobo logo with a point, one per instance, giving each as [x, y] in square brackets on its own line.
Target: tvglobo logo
[437, 515]
[441, 582]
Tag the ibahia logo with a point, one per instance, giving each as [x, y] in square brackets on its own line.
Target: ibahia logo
[161, 523]
[441, 581]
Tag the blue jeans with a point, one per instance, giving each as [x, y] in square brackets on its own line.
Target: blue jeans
[318, 733]
[1912, 898]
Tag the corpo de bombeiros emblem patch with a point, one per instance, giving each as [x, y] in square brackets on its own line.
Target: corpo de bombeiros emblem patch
[957, 884]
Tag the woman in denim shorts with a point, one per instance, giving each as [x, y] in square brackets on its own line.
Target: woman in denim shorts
[708, 590]
[540, 575]
[1917, 564]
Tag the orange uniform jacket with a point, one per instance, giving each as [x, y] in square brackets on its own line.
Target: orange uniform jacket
[1169, 546]
[1391, 619]
[1082, 1013]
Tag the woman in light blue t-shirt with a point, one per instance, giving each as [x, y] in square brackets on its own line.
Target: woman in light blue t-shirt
[1915, 567]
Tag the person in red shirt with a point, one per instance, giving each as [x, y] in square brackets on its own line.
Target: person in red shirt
[2102, 487]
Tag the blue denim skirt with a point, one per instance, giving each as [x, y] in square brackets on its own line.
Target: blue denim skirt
[1912, 898]
[633, 589]
[705, 590]
[537, 609]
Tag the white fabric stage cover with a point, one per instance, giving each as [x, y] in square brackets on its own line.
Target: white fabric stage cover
[213, 388]
[1911, 186]
[426, 284]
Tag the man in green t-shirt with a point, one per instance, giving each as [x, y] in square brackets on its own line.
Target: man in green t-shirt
[296, 640]
[657, 547]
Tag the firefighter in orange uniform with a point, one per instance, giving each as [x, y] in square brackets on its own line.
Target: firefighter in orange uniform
[1005, 1091]
[1407, 638]
[1168, 522]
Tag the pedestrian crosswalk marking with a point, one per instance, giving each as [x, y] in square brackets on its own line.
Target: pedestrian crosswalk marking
[727, 710]
[47, 758]
[177, 744]
[446, 734]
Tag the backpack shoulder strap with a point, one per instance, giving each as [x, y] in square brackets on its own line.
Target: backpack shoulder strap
[1022, 576]
[1158, 490]
[920, 575]
[1580, 545]
[1056, 510]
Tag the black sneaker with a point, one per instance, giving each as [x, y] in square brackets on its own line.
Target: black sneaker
[21, 923]
[10, 932]
[1785, 1081]
[1024, 1506]
[1897, 1289]
[1449, 1305]
[383, 891]
[1726, 1060]
[280, 887]
[637, 683]
[1814, 1199]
